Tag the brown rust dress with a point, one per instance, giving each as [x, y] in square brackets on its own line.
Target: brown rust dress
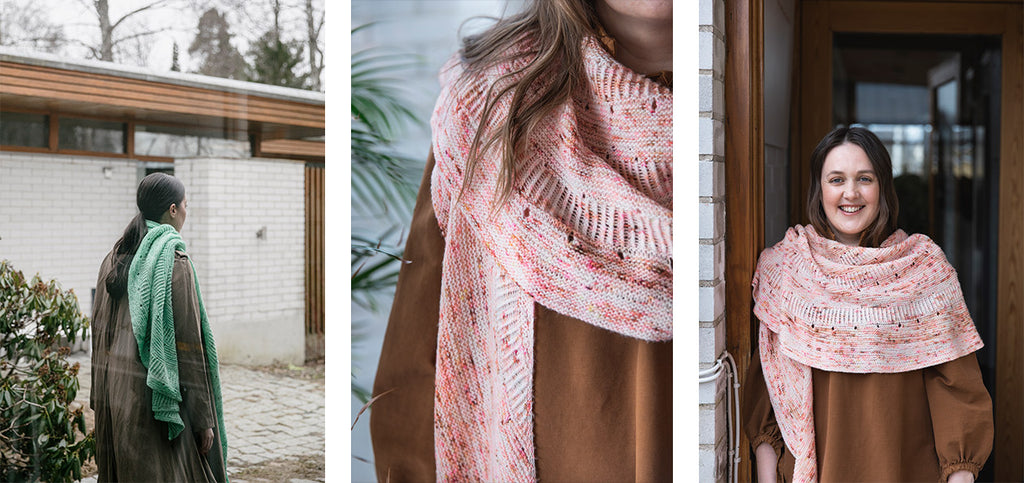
[130, 444]
[603, 401]
[920, 425]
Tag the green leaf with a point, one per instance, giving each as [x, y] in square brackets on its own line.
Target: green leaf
[360, 392]
[35, 424]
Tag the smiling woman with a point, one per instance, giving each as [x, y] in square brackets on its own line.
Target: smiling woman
[849, 193]
[863, 329]
[855, 201]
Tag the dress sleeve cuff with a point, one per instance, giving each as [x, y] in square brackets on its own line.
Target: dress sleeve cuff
[769, 437]
[962, 465]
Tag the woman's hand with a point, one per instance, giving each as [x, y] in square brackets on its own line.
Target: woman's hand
[205, 440]
[768, 461]
[962, 476]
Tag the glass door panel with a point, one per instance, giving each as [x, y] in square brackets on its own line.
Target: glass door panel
[934, 102]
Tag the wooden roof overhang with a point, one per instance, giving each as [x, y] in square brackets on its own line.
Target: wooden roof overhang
[46, 84]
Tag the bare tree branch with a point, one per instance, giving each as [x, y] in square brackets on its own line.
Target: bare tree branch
[88, 5]
[156, 4]
[315, 54]
[24, 40]
[140, 34]
[94, 50]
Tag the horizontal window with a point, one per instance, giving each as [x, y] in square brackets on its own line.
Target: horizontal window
[22, 129]
[179, 142]
[91, 135]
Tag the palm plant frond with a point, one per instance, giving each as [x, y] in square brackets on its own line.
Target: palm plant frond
[384, 182]
[360, 392]
[364, 247]
[377, 99]
[372, 275]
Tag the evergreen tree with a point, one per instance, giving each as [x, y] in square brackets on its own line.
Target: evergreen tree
[274, 62]
[213, 46]
[174, 59]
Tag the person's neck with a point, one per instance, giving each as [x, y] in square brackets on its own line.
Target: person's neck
[642, 45]
[850, 241]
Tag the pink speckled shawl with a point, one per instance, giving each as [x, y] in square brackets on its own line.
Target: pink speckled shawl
[587, 233]
[837, 308]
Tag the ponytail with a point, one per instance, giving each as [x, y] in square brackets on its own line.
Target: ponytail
[124, 253]
[156, 193]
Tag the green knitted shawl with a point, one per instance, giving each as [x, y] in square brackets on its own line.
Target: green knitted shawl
[149, 300]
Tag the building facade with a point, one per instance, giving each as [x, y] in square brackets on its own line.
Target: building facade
[76, 137]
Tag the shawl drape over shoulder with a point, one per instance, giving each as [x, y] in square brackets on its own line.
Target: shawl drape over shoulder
[149, 298]
[587, 233]
[828, 306]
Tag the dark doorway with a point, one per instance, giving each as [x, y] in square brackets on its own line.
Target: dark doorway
[935, 103]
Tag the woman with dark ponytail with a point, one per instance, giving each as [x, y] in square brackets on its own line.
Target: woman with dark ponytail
[155, 383]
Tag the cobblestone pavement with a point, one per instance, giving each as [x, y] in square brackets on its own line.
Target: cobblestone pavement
[268, 416]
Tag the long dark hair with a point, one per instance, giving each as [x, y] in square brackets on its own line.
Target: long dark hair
[556, 28]
[156, 193]
[888, 204]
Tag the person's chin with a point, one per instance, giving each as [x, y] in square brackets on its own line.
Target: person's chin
[849, 228]
[851, 231]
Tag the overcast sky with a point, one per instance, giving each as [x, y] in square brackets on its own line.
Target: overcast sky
[181, 19]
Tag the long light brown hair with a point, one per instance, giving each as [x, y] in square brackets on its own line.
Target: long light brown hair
[555, 30]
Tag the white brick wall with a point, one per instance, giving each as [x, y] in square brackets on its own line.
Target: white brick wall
[253, 288]
[711, 248]
[60, 216]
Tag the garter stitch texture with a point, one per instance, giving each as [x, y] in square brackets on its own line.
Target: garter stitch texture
[587, 232]
[837, 308]
[152, 312]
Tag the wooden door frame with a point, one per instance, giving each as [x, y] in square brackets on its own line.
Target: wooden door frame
[744, 167]
[744, 181]
[821, 19]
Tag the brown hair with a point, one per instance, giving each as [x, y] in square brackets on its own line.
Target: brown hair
[555, 29]
[888, 204]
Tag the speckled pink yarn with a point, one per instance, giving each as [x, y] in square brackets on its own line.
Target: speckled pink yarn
[587, 233]
[837, 308]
